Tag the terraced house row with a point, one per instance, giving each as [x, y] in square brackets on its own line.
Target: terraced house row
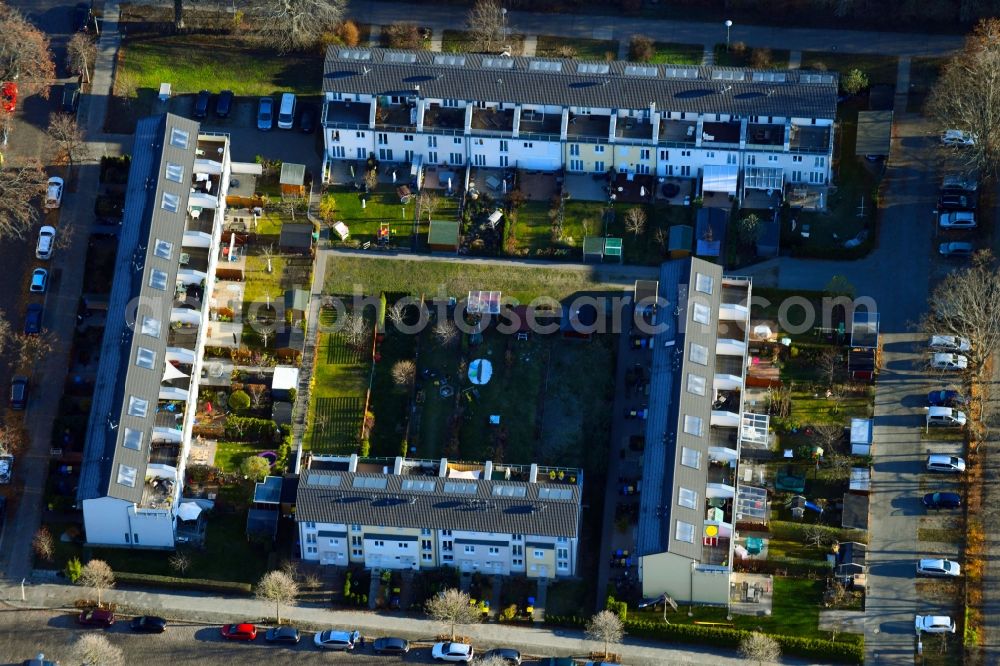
[733, 130]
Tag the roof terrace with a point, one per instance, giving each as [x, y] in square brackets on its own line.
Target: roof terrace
[589, 126]
[493, 120]
[809, 137]
[766, 134]
[347, 113]
[678, 131]
[442, 117]
[633, 128]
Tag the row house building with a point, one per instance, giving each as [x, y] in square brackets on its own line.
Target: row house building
[731, 129]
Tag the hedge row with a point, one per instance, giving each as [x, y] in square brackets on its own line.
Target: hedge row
[810, 648]
[201, 584]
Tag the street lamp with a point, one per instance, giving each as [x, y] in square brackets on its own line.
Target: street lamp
[503, 12]
[729, 24]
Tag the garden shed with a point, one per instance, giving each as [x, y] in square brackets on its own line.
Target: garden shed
[262, 518]
[679, 241]
[285, 379]
[292, 179]
[861, 437]
[296, 237]
[443, 235]
[297, 303]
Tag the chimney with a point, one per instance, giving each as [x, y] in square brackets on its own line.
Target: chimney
[652, 110]
[352, 465]
[397, 465]
[443, 468]
[488, 470]
[533, 474]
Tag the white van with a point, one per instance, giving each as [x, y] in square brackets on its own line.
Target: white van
[945, 416]
[286, 112]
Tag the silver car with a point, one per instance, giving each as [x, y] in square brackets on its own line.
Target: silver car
[939, 568]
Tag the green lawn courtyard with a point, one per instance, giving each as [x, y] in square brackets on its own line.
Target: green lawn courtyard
[381, 206]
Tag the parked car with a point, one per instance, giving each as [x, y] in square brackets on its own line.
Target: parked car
[39, 281]
[952, 198]
[286, 111]
[945, 417]
[244, 631]
[201, 104]
[96, 617]
[307, 119]
[956, 250]
[148, 624]
[942, 501]
[391, 645]
[39, 660]
[285, 635]
[224, 104]
[955, 137]
[70, 97]
[46, 239]
[960, 181]
[454, 652]
[943, 361]
[941, 568]
[18, 392]
[946, 398]
[934, 624]
[265, 113]
[509, 655]
[957, 219]
[952, 343]
[33, 319]
[54, 193]
[937, 462]
[336, 640]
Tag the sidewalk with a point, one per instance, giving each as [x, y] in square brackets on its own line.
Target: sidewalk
[195, 606]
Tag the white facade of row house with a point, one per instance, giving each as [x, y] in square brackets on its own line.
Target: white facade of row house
[458, 110]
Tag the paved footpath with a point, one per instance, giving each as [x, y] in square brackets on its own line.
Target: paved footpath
[194, 606]
[441, 17]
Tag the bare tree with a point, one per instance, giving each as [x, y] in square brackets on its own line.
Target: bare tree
[291, 25]
[404, 373]
[452, 607]
[67, 137]
[43, 544]
[371, 179]
[817, 535]
[605, 627]
[98, 575]
[395, 312]
[180, 562]
[20, 184]
[748, 229]
[312, 581]
[279, 587]
[966, 303]
[445, 332]
[81, 52]
[25, 55]
[760, 648]
[355, 329]
[486, 23]
[257, 393]
[5, 331]
[829, 434]
[660, 237]
[12, 435]
[32, 348]
[967, 96]
[635, 221]
[426, 203]
[781, 400]
[96, 650]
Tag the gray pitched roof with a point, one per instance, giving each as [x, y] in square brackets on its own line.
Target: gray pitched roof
[331, 497]
[157, 142]
[561, 82]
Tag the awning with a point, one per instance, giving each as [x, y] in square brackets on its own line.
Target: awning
[188, 511]
[170, 372]
[720, 178]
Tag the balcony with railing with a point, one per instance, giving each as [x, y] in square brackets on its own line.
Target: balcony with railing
[721, 133]
[354, 114]
[395, 116]
[765, 134]
[188, 297]
[810, 138]
[536, 122]
[633, 128]
[678, 131]
[717, 530]
[586, 125]
[440, 117]
[194, 258]
[729, 365]
[492, 121]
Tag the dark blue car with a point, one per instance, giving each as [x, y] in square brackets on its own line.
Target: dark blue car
[942, 501]
[945, 398]
[33, 319]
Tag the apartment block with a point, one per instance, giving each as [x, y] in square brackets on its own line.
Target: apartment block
[695, 433]
[733, 130]
[146, 390]
[419, 514]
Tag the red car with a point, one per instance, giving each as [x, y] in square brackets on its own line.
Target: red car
[8, 91]
[239, 632]
[97, 617]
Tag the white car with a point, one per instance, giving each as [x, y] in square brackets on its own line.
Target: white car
[53, 193]
[456, 652]
[941, 568]
[934, 624]
[336, 640]
[957, 219]
[952, 343]
[46, 239]
[937, 462]
[945, 416]
[954, 137]
[949, 362]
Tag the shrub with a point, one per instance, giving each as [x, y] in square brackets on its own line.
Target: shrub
[619, 608]
[403, 36]
[760, 58]
[244, 428]
[73, 570]
[509, 613]
[239, 401]
[364, 448]
[641, 48]
[348, 33]
[854, 82]
[224, 586]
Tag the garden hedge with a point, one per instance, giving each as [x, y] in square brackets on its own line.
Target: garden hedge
[201, 584]
[810, 648]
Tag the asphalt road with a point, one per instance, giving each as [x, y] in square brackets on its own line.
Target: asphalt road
[25, 633]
